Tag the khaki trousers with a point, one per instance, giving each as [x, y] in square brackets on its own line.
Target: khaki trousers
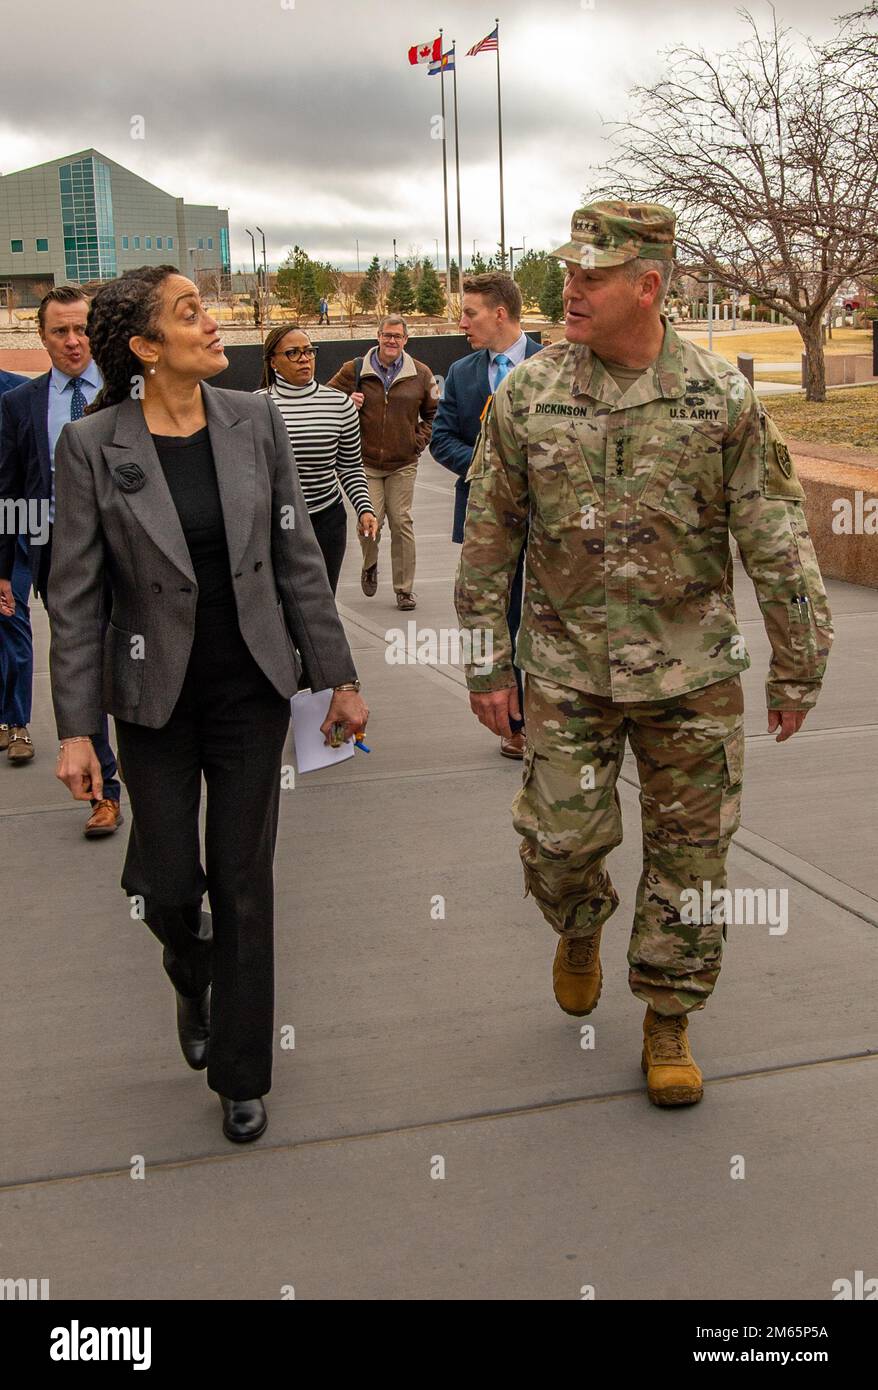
[392, 497]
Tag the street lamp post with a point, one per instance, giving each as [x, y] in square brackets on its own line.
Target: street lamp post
[264, 275]
[256, 279]
[512, 250]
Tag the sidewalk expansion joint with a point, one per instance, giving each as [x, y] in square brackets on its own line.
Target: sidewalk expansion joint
[448, 1122]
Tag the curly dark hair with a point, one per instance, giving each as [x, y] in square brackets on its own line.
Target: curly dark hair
[119, 311]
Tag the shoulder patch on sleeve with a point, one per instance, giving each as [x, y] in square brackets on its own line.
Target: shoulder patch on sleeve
[779, 478]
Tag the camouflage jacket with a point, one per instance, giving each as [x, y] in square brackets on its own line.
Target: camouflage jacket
[627, 503]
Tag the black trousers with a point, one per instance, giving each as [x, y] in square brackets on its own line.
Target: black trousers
[331, 530]
[230, 725]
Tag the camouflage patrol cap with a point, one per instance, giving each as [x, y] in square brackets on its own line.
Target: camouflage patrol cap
[612, 232]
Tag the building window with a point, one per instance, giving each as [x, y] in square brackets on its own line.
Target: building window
[17, 245]
[124, 243]
[210, 243]
[42, 243]
[87, 219]
[201, 243]
[170, 243]
[149, 243]
[158, 242]
[137, 243]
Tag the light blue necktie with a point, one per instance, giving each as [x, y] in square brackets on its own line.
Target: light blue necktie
[77, 400]
[504, 366]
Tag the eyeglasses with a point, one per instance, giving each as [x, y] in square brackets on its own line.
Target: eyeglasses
[294, 354]
[392, 337]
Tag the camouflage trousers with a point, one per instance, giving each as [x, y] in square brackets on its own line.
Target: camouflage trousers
[690, 758]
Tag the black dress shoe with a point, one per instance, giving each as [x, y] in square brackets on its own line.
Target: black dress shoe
[243, 1120]
[193, 1028]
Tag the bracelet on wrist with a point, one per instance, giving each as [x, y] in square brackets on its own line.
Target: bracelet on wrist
[349, 685]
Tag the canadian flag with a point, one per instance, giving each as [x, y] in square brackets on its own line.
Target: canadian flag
[426, 52]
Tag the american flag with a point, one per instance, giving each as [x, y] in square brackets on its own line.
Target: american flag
[486, 45]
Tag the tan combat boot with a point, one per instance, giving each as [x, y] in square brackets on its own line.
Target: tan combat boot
[577, 974]
[672, 1078]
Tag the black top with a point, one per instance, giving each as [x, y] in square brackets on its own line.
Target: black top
[187, 463]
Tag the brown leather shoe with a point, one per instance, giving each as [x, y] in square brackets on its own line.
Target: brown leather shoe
[513, 747]
[20, 748]
[672, 1078]
[405, 601]
[104, 819]
[4, 737]
[577, 976]
[369, 580]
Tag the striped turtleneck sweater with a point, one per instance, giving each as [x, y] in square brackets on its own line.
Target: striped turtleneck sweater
[324, 430]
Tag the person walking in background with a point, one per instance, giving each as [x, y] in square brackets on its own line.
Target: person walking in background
[16, 640]
[324, 431]
[33, 417]
[324, 310]
[397, 398]
[491, 319]
[187, 504]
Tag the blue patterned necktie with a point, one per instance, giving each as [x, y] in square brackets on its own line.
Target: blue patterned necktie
[77, 400]
[504, 367]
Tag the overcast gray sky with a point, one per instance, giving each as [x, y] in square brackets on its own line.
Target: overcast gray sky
[305, 117]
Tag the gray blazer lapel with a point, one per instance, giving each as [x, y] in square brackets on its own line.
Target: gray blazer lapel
[152, 504]
[234, 457]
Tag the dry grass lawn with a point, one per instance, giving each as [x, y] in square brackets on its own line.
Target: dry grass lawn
[845, 417]
[782, 344]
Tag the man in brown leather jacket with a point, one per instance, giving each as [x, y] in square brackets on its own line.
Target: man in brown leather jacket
[397, 398]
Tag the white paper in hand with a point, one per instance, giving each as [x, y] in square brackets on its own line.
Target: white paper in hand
[310, 709]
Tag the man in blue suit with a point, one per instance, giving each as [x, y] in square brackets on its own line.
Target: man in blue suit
[491, 319]
[32, 416]
[16, 644]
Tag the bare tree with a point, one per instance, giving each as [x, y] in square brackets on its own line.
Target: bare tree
[346, 289]
[385, 279]
[764, 155]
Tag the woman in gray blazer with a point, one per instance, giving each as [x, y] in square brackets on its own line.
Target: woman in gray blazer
[187, 584]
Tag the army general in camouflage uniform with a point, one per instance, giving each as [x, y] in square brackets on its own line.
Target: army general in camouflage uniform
[634, 455]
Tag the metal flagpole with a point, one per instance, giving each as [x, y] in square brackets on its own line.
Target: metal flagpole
[457, 177]
[445, 187]
[500, 145]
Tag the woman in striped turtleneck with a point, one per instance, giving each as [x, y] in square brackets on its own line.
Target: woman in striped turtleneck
[324, 430]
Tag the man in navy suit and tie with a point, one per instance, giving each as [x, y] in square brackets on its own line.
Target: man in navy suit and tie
[32, 416]
[16, 646]
[491, 319]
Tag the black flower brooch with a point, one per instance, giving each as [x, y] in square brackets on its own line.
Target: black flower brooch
[130, 477]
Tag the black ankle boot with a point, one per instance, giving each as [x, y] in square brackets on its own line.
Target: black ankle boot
[193, 1028]
[243, 1120]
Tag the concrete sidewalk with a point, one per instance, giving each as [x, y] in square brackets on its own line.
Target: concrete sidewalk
[419, 1040]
